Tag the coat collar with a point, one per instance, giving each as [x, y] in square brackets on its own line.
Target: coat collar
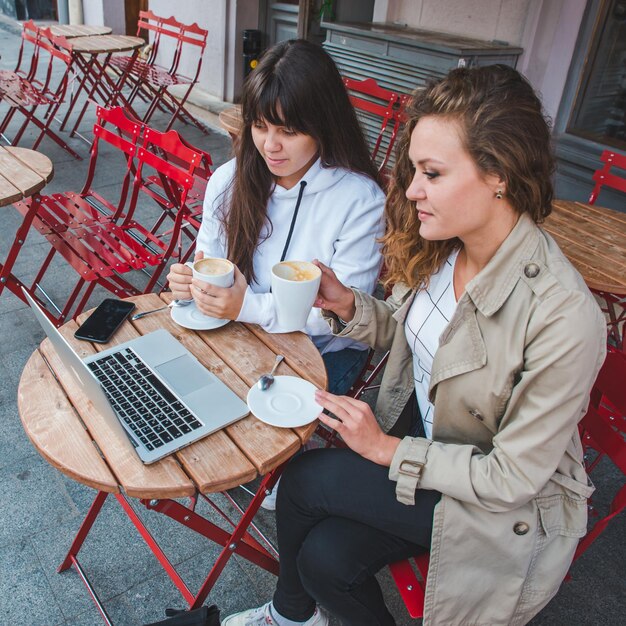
[491, 287]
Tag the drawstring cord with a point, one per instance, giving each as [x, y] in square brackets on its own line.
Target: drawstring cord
[293, 220]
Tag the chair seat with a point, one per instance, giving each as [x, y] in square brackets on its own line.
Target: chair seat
[92, 243]
[18, 91]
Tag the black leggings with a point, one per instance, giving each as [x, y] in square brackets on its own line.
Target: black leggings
[338, 523]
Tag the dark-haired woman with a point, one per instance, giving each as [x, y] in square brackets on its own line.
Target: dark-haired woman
[494, 343]
[302, 186]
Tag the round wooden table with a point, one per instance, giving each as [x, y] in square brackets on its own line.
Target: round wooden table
[230, 119]
[67, 431]
[23, 172]
[69, 31]
[594, 239]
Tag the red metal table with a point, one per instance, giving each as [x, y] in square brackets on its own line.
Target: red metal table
[92, 55]
[73, 439]
[23, 173]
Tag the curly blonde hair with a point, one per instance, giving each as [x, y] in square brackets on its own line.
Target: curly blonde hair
[505, 133]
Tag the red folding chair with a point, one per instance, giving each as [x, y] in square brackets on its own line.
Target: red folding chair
[602, 433]
[607, 176]
[102, 239]
[26, 55]
[152, 82]
[39, 92]
[381, 113]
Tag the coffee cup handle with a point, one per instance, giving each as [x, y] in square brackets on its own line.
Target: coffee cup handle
[190, 264]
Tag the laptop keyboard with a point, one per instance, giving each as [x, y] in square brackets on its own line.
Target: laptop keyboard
[146, 405]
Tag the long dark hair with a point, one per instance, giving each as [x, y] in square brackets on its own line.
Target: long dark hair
[504, 131]
[295, 85]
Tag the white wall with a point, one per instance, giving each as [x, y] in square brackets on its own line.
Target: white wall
[221, 72]
[502, 20]
[105, 13]
[546, 29]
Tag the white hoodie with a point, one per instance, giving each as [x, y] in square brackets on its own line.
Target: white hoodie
[339, 220]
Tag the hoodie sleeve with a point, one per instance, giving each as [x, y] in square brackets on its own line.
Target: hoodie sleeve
[211, 239]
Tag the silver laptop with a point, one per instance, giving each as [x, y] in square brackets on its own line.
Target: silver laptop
[163, 397]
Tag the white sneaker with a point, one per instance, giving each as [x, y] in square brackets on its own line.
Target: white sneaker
[269, 502]
[262, 616]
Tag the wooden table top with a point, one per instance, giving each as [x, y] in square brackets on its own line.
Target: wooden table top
[230, 119]
[594, 239]
[96, 44]
[23, 172]
[69, 31]
[63, 425]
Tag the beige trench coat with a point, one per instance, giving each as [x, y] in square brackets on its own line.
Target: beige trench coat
[510, 381]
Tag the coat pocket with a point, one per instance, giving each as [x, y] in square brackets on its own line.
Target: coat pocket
[563, 515]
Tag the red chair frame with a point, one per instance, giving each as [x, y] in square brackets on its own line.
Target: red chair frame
[100, 239]
[602, 431]
[38, 89]
[603, 176]
[378, 106]
[150, 81]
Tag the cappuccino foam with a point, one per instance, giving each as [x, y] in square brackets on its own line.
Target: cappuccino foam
[300, 272]
[212, 267]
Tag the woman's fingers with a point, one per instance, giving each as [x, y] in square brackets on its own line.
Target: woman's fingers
[331, 422]
[348, 410]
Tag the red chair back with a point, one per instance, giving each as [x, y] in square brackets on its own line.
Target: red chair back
[382, 115]
[603, 176]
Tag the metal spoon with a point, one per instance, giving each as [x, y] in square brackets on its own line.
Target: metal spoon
[266, 381]
[173, 303]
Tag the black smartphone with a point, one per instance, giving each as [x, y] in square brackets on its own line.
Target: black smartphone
[105, 320]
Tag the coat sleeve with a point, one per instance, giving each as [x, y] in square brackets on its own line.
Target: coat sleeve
[565, 347]
[373, 322]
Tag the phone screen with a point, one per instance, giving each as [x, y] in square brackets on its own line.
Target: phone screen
[104, 321]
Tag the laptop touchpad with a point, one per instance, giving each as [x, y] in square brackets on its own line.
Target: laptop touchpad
[184, 375]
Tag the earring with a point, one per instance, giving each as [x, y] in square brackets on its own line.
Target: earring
[499, 194]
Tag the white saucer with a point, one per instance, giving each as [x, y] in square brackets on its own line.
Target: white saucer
[289, 402]
[189, 317]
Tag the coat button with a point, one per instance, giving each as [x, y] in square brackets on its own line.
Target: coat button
[521, 528]
[531, 270]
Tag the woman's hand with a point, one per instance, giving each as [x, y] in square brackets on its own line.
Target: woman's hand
[358, 427]
[333, 295]
[220, 302]
[179, 279]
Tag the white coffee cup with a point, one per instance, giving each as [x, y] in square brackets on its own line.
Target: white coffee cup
[294, 288]
[219, 272]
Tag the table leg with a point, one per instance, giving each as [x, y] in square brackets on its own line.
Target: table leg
[85, 68]
[7, 279]
[239, 541]
[83, 531]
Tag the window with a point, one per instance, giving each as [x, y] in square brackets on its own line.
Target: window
[599, 112]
